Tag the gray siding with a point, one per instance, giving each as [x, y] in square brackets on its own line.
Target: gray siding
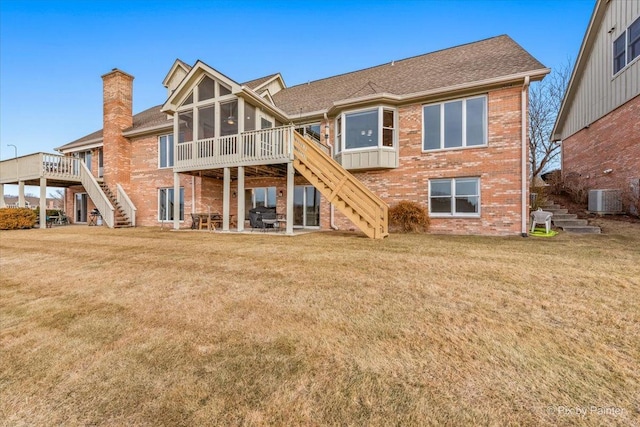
[599, 92]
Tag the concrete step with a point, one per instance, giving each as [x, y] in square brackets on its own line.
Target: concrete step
[556, 210]
[563, 216]
[584, 229]
[551, 206]
[569, 222]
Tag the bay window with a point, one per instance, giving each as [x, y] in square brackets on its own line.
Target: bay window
[366, 129]
[455, 124]
[454, 197]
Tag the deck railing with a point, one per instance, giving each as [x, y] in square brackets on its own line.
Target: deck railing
[99, 199]
[266, 146]
[37, 165]
[126, 204]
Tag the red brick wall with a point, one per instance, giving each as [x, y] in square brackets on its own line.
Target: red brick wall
[498, 165]
[146, 179]
[612, 142]
[117, 116]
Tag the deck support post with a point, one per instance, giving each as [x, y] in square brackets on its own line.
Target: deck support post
[43, 202]
[240, 194]
[290, 188]
[176, 201]
[226, 193]
[2, 203]
[21, 194]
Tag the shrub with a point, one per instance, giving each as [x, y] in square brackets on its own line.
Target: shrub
[409, 216]
[576, 187]
[16, 218]
[540, 199]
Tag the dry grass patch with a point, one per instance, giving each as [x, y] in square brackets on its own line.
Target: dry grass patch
[148, 327]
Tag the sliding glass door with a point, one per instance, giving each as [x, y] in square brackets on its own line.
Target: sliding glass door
[306, 206]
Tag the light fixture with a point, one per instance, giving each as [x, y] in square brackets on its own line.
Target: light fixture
[234, 194]
[231, 119]
[280, 193]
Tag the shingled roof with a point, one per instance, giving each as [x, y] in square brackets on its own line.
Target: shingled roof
[473, 62]
[149, 118]
[482, 60]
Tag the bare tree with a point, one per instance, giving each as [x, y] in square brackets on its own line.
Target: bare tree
[545, 98]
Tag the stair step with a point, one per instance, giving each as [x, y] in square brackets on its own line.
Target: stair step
[555, 211]
[569, 222]
[556, 217]
[585, 229]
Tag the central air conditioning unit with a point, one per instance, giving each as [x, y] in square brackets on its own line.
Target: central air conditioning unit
[605, 201]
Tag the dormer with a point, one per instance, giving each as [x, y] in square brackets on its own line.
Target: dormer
[176, 74]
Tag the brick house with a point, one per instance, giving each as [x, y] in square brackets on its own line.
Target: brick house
[446, 129]
[599, 120]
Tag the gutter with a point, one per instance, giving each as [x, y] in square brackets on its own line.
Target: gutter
[525, 159]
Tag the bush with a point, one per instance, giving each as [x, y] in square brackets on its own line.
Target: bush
[16, 218]
[409, 216]
[541, 199]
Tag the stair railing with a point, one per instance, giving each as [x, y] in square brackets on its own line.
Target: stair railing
[344, 185]
[99, 199]
[126, 204]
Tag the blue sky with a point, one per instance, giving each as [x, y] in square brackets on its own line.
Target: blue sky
[52, 53]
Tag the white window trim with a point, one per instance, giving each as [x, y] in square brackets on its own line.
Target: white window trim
[184, 214]
[453, 196]
[159, 148]
[626, 50]
[464, 127]
[340, 142]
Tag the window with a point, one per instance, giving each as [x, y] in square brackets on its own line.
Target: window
[257, 197]
[265, 196]
[366, 129]
[185, 126]
[633, 47]
[619, 54]
[626, 47]
[311, 130]
[87, 156]
[165, 151]
[454, 197]
[165, 204]
[229, 118]
[207, 112]
[206, 89]
[206, 122]
[249, 117]
[455, 124]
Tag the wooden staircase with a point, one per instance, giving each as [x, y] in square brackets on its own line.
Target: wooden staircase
[120, 218]
[366, 210]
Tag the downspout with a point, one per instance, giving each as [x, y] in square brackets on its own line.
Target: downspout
[332, 210]
[525, 158]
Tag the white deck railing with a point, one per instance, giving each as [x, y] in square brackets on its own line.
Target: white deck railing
[37, 165]
[99, 199]
[126, 204]
[266, 146]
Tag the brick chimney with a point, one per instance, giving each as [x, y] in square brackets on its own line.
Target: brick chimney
[117, 113]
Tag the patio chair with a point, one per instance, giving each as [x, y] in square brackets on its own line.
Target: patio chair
[63, 219]
[541, 217]
[195, 221]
